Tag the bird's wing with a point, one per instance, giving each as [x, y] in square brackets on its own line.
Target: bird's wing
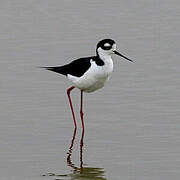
[76, 68]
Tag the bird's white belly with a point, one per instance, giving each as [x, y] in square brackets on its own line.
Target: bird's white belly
[93, 79]
[92, 84]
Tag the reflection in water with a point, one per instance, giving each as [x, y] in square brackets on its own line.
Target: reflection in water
[81, 172]
[69, 162]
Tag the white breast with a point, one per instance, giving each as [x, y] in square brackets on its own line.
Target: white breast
[95, 77]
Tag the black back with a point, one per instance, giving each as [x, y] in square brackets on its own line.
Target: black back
[80, 66]
[77, 67]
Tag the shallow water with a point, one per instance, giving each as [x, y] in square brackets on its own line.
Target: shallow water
[132, 124]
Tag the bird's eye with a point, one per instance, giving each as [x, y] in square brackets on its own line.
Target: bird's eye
[107, 46]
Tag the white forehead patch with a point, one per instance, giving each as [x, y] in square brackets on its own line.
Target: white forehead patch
[114, 47]
[107, 45]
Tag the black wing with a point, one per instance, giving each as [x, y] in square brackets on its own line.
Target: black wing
[76, 68]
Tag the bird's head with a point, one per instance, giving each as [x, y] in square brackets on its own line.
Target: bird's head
[107, 47]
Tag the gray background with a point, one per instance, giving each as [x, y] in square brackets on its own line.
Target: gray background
[132, 124]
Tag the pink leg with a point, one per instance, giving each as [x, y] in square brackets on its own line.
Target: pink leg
[81, 110]
[70, 102]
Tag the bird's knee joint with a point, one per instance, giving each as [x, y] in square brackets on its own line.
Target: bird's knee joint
[81, 112]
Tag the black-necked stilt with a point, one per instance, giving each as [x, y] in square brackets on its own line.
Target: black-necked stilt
[90, 73]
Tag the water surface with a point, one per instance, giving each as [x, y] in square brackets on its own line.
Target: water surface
[132, 124]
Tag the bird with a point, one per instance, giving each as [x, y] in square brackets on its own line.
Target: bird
[89, 74]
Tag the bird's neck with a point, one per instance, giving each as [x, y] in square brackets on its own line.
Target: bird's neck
[104, 56]
[108, 62]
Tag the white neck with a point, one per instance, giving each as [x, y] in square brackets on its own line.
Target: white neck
[104, 55]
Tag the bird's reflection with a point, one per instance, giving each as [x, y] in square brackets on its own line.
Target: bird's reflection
[81, 172]
[69, 162]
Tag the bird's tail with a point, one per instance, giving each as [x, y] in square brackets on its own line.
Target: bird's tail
[57, 69]
[47, 68]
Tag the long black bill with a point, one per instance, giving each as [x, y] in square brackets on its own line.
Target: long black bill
[119, 54]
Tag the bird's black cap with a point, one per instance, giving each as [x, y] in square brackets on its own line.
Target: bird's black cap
[103, 43]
